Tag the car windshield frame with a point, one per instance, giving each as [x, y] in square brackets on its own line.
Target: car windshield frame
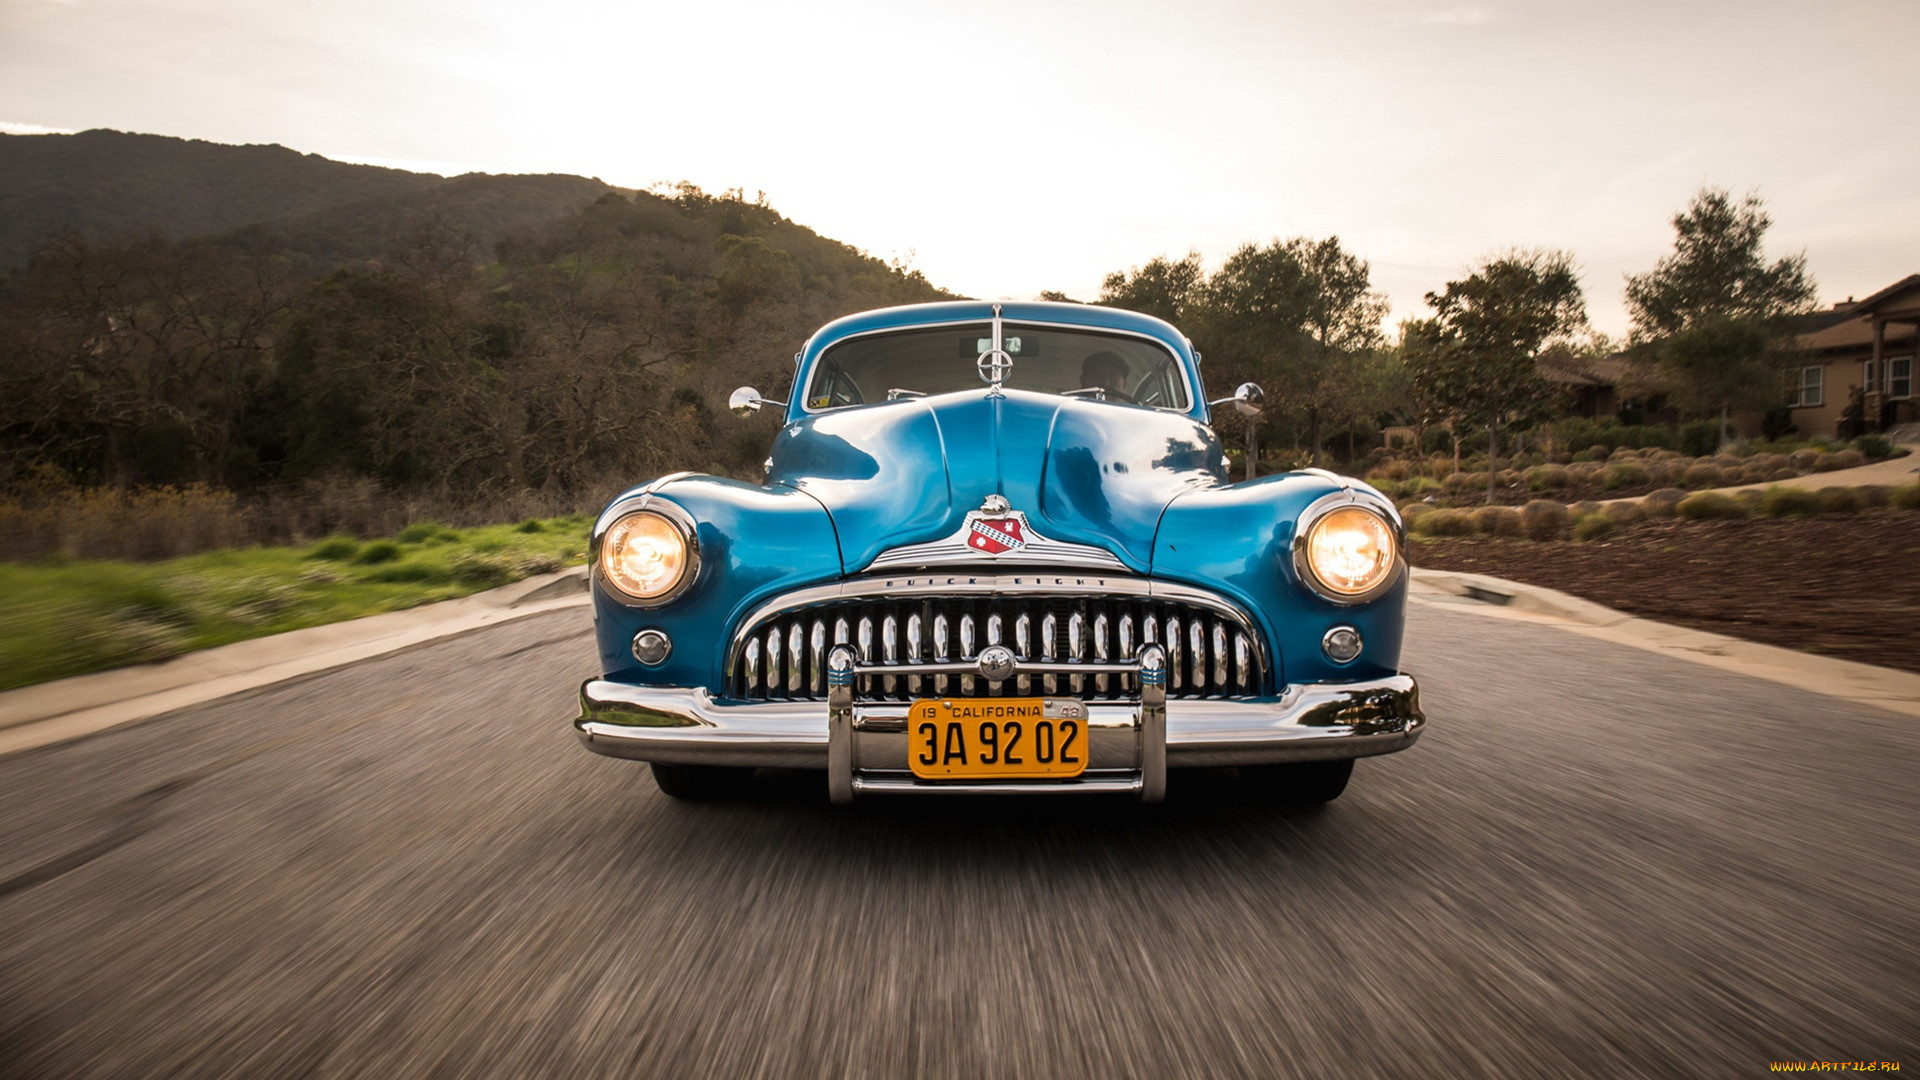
[1152, 364]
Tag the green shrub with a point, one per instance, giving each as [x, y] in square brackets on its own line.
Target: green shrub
[1445, 523]
[1838, 500]
[485, 572]
[411, 573]
[420, 532]
[1497, 521]
[378, 552]
[1625, 473]
[1544, 519]
[1702, 476]
[1548, 478]
[1584, 506]
[531, 525]
[335, 549]
[1782, 501]
[1711, 506]
[1874, 447]
[1699, 438]
[1414, 511]
[1624, 513]
[1907, 497]
[1461, 481]
[1802, 460]
[1592, 526]
[1873, 495]
[1662, 503]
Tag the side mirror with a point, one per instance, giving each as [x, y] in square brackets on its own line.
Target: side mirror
[1247, 398]
[746, 401]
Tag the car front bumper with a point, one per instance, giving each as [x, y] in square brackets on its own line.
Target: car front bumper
[864, 745]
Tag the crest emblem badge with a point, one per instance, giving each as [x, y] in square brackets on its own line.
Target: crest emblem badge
[994, 529]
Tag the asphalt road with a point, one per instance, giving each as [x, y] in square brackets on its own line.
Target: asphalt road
[1599, 862]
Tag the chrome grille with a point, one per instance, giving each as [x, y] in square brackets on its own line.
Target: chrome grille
[783, 656]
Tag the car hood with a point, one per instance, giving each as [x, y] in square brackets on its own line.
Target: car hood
[908, 472]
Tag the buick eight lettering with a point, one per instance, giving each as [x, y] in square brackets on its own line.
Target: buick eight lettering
[998, 550]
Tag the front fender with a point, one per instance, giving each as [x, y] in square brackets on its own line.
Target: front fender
[755, 542]
[1238, 539]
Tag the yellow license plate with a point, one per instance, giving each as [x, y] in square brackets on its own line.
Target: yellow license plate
[1005, 738]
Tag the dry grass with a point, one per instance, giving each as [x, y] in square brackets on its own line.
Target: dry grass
[46, 516]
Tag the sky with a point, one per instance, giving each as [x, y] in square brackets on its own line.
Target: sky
[1004, 147]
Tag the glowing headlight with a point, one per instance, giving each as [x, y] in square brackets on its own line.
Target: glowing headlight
[647, 556]
[1350, 552]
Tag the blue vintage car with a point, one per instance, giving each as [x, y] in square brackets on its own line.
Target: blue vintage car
[998, 551]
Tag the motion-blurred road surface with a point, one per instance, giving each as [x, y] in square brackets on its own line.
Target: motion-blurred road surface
[1599, 862]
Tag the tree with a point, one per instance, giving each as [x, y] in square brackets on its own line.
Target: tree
[1714, 314]
[1477, 358]
[1162, 288]
[1300, 312]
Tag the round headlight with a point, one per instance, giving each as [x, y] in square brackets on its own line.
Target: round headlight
[647, 556]
[1350, 552]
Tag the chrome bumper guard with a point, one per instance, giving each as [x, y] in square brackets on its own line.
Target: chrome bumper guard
[863, 746]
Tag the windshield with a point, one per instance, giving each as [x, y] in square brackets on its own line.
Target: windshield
[1046, 359]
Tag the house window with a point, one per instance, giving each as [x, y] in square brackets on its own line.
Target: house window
[1900, 377]
[1812, 388]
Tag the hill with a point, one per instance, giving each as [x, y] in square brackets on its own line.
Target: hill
[270, 322]
[101, 183]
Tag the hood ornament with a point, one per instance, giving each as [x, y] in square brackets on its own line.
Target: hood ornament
[996, 363]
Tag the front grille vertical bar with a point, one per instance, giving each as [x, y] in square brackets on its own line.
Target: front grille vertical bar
[817, 659]
[1243, 662]
[753, 668]
[1197, 651]
[968, 650]
[913, 651]
[1076, 646]
[863, 639]
[1048, 627]
[889, 649]
[1100, 650]
[1023, 648]
[773, 661]
[1220, 656]
[796, 658]
[940, 652]
[1172, 631]
[995, 630]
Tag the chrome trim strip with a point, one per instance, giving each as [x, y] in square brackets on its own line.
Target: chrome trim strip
[1081, 785]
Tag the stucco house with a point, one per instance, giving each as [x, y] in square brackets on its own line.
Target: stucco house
[1865, 345]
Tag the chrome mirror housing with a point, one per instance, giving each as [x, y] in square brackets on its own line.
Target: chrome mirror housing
[1247, 398]
[746, 401]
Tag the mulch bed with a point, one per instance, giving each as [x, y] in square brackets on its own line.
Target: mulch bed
[1841, 585]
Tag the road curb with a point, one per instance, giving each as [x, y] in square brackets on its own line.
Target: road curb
[54, 712]
[1883, 688]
